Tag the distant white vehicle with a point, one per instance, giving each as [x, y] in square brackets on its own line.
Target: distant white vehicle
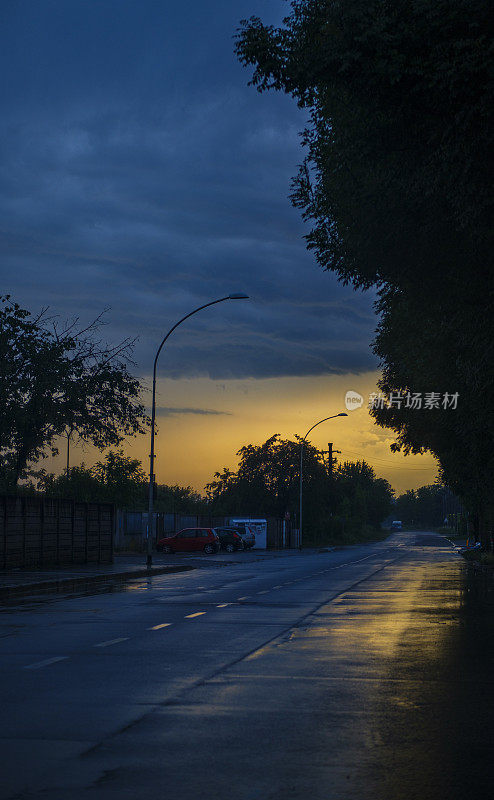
[396, 525]
[253, 531]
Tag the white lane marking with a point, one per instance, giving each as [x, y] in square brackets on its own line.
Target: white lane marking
[265, 591]
[349, 563]
[46, 662]
[246, 597]
[197, 614]
[222, 605]
[112, 641]
[161, 625]
[277, 587]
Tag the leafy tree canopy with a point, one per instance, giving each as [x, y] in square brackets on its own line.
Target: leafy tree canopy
[426, 506]
[267, 482]
[60, 378]
[396, 184]
[400, 98]
[118, 479]
[358, 492]
[267, 479]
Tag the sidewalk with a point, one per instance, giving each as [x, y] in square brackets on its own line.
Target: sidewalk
[15, 583]
[18, 582]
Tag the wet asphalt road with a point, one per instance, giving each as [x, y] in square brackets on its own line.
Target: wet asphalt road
[363, 673]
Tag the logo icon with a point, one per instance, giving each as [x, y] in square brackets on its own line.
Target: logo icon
[353, 400]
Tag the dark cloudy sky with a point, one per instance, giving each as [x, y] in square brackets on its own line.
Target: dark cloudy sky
[140, 172]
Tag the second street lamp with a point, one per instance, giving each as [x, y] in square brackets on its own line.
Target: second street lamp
[238, 296]
[342, 414]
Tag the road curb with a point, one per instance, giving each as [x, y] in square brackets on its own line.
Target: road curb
[71, 584]
[66, 584]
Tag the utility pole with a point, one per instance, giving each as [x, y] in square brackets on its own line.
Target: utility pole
[330, 453]
[302, 442]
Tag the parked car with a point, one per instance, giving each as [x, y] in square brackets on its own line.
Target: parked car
[396, 525]
[188, 540]
[230, 539]
[248, 536]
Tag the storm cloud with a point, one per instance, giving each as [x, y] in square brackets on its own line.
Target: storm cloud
[162, 411]
[141, 172]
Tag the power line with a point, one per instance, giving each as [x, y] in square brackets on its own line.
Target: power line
[382, 461]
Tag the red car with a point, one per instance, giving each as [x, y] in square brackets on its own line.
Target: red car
[190, 539]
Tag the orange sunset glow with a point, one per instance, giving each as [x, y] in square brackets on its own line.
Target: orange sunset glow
[206, 422]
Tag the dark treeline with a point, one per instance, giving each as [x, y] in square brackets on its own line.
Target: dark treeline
[118, 479]
[430, 506]
[340, 501]
[343, 502]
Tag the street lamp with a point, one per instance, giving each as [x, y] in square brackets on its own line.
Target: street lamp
[342, 414]
[238, 296]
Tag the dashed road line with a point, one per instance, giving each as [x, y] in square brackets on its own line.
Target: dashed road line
[196, 614]
[161, 625]
[112, 641]
[246, 597]
[46, 662]
[222, 605]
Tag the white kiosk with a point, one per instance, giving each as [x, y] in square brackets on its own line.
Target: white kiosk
[259, 527]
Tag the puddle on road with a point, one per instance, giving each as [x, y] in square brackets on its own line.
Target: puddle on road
[156, 583]
[433, 712]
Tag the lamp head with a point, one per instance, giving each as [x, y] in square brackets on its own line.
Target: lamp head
[342, 414]
[238, 296]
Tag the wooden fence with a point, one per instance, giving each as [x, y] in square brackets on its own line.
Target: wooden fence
[37, 531]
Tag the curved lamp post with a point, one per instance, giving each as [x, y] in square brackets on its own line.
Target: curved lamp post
[342, 414]
[239, 296]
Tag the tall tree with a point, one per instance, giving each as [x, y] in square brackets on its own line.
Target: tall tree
[267, 482]
[396, 184]
[359, 490]
[424, 344]
[60, 378]
[399, 92]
